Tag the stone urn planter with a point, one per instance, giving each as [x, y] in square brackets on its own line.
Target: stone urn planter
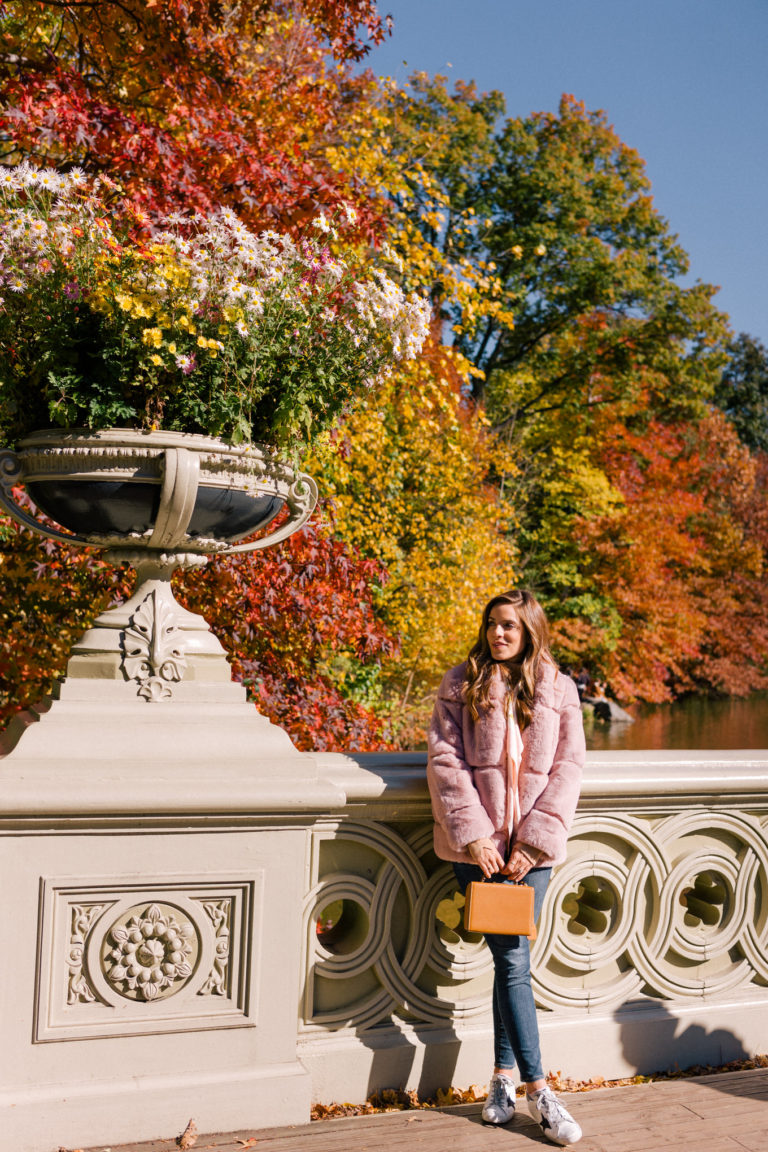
[159, 501]
[156, 491]
[203, 325]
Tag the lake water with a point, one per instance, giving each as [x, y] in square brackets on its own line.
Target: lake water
[692, 723]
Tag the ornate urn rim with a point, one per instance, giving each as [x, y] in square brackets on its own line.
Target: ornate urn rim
[181, 464]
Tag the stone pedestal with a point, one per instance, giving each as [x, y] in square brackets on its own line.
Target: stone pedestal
[154, 851]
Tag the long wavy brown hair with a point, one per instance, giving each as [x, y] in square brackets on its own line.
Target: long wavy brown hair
[519, 674]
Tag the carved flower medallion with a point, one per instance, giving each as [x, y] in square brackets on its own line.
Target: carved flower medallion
[150, 953]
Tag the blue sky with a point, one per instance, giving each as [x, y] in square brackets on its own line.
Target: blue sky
[685, 82]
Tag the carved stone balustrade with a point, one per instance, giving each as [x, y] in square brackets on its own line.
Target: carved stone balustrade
[652, 947]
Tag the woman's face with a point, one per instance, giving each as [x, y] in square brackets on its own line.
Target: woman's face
[505, 632]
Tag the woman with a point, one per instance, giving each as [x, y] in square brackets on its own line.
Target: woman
[506, 750]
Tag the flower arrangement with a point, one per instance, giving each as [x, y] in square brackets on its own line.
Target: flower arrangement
[202, 327]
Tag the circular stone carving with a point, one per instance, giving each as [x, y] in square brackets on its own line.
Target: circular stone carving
[707, 900]
[342, 927]
[150, 952]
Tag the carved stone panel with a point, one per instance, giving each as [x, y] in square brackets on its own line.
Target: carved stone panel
[82, 917]
[164, 954]
[376, 946]
[220, 913]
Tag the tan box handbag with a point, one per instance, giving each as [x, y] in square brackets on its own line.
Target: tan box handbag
[505, 909]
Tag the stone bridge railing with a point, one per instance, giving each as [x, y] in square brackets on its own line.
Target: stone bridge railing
[652, 947]
[197, 920]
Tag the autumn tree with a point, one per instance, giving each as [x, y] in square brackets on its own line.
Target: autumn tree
[578, 334]
[575, 237]
[409, 470]
[300, 623]
[295, 619]
[49, 594]
[558, 431]
[552, 214]
[188, 105]
[407, 477]
[676, 564]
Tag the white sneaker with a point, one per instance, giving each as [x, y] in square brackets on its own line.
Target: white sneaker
[556, 1123]
[499, 1107]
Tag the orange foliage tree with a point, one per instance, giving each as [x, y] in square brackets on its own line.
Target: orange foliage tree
[676, 565]
[286, 616]
[187, 104]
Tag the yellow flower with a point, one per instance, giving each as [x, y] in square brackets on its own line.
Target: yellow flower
[540, 249]
[152, 336]
[156, 359]
[202, 342]
[172, 349]
[517, 251]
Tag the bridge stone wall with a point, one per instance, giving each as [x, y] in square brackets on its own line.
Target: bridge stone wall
[196, 920]
[652, 946]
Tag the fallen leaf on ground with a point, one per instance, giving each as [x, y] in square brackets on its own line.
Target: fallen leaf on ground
[249, 1143]
[336, 1111]
[188, 1136]
[396, 1099]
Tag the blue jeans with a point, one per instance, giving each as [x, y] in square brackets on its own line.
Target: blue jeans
[515, 1028]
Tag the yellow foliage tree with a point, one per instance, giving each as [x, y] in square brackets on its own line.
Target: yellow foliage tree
[408, 477]
[415, 473]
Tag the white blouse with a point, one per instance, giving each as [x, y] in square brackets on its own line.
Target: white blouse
[514, 754]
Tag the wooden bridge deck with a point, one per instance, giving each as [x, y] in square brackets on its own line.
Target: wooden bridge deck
[720, 1113]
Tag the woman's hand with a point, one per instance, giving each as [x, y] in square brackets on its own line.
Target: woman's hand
[522, 858]
[485, 853]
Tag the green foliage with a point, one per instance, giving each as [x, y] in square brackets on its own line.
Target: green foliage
[742, 392]
[553, 212]
[589, 267]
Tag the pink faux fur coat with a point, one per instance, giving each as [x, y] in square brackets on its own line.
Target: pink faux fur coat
[467, 775]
